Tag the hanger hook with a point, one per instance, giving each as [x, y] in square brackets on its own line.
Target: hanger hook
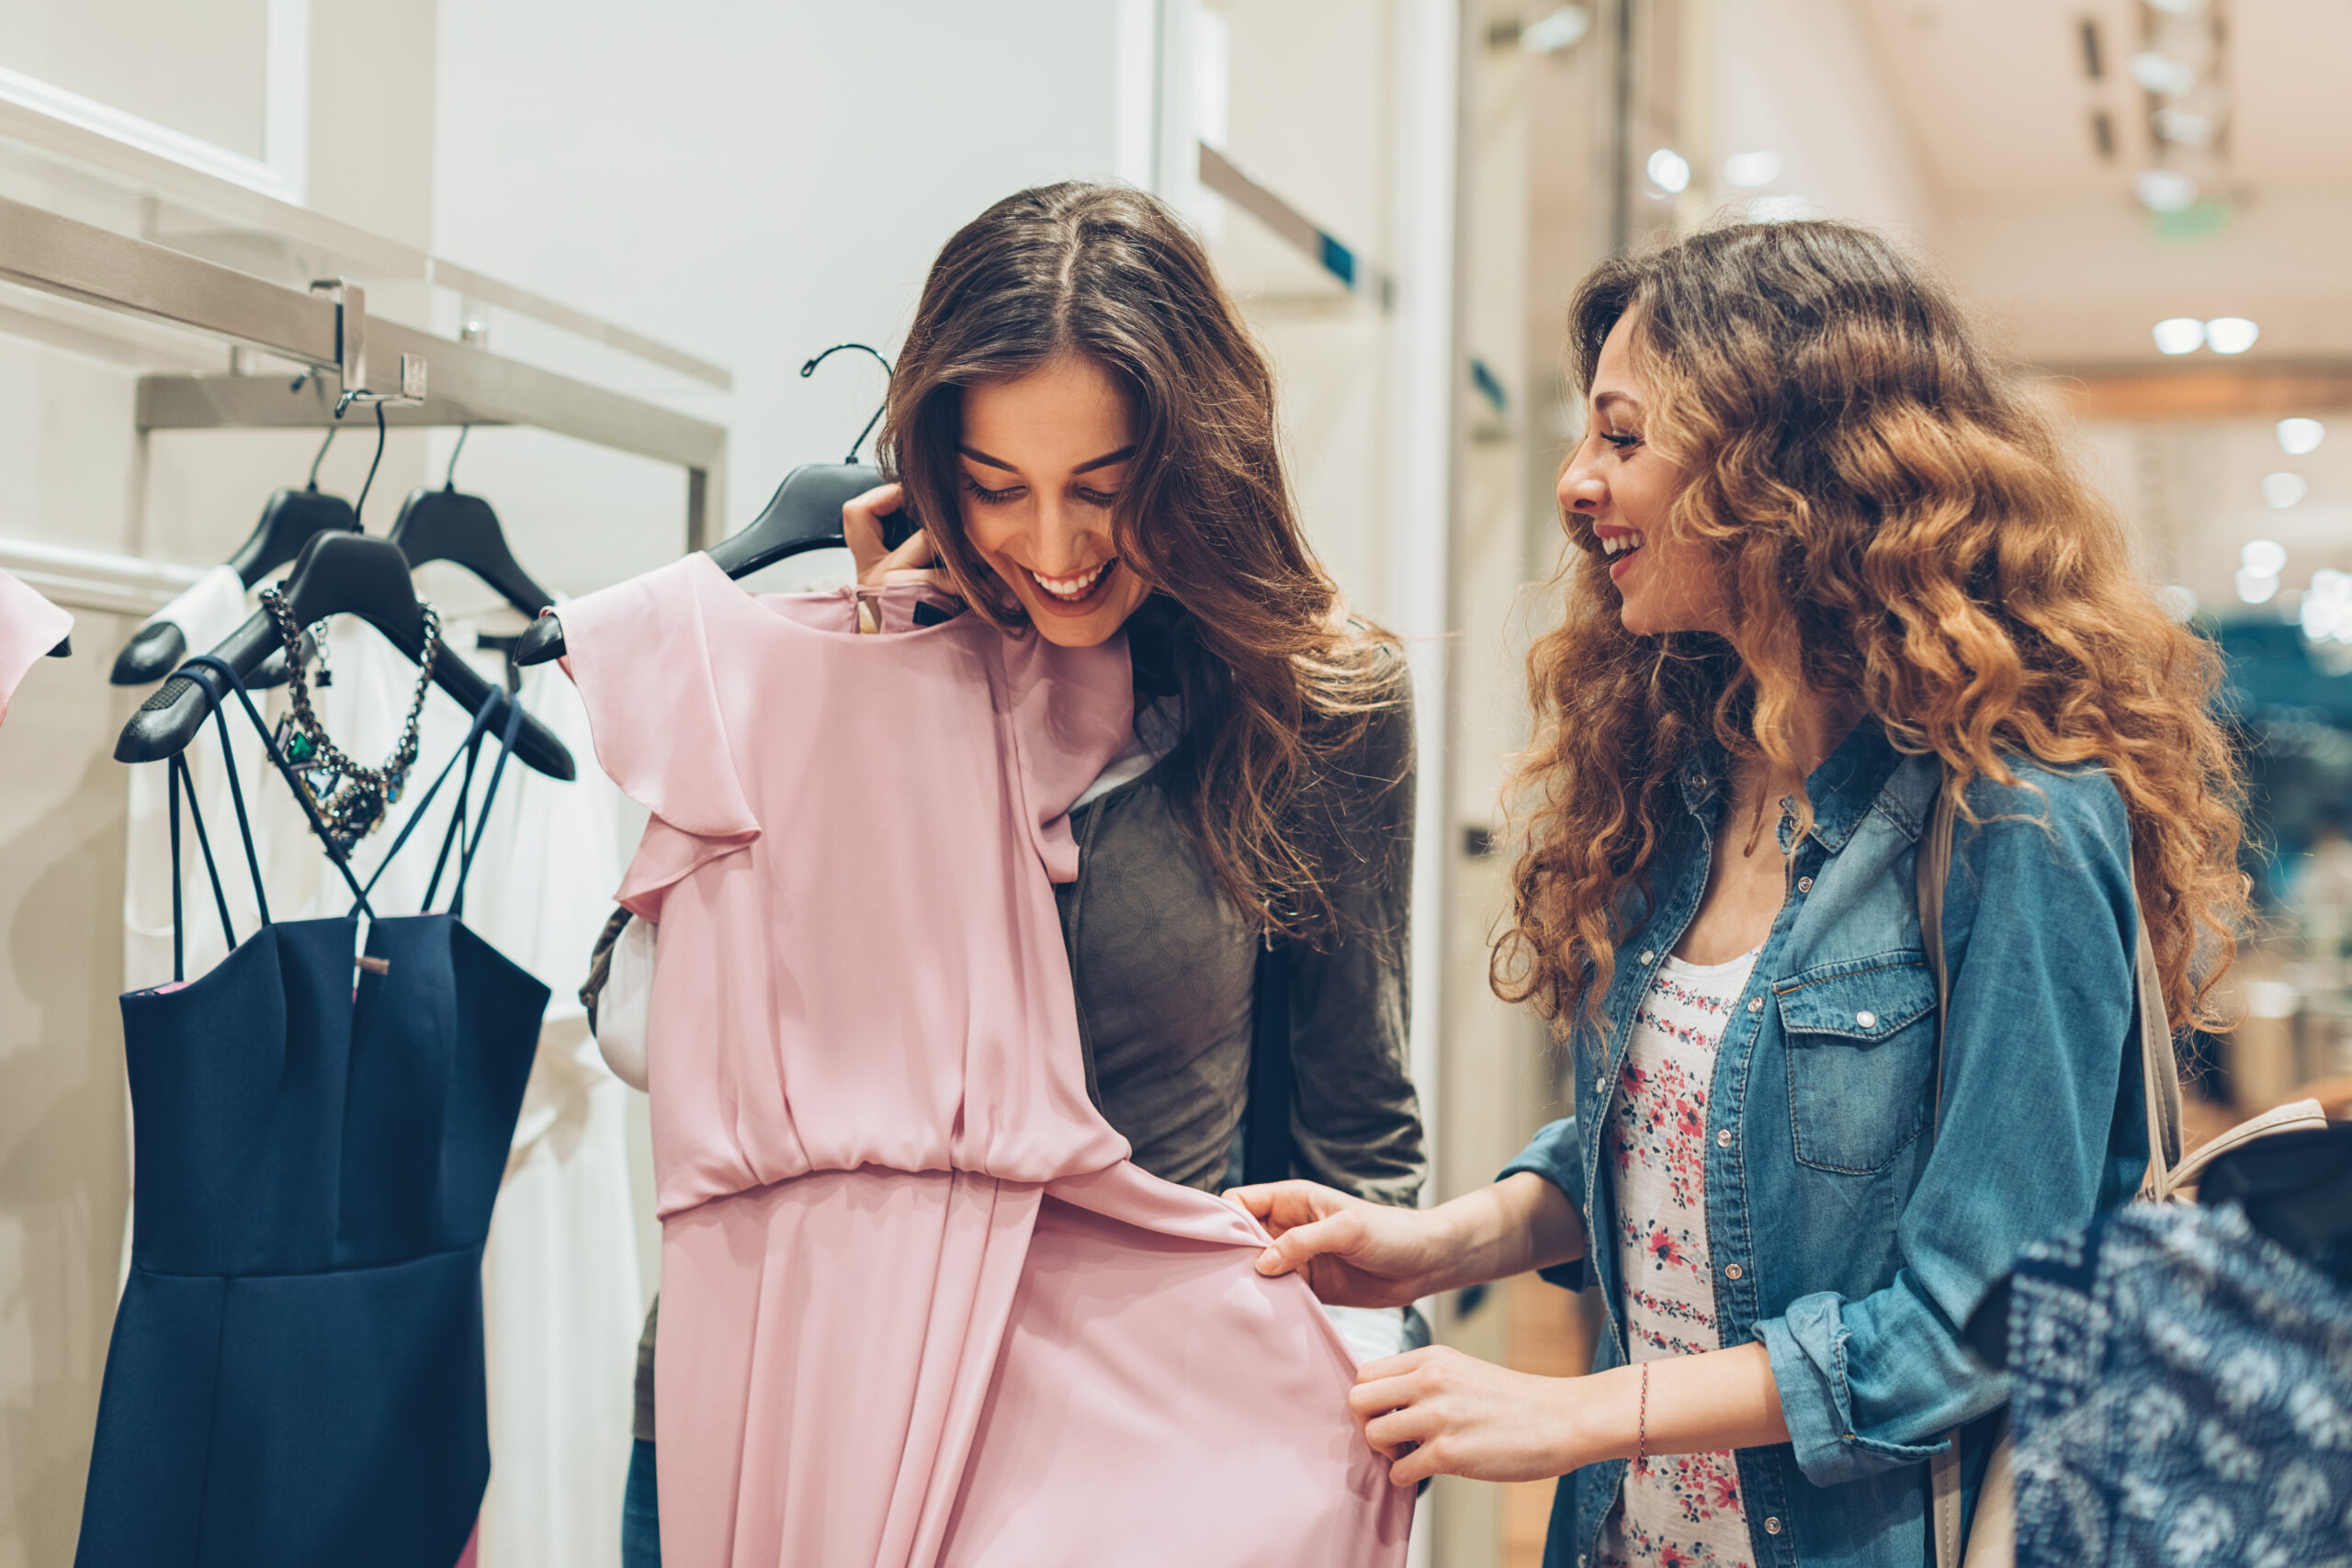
[887, 369]
[449, 480]
[359, 508]
[322, 456]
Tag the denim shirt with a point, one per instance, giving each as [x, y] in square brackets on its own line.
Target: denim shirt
[1853, 1225]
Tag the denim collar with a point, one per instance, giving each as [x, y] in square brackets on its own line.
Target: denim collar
[1842, 789]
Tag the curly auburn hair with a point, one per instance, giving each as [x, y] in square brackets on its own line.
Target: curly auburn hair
[1896, 521]
[1276, 684]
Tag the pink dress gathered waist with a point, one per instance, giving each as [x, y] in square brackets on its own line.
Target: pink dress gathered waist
[918, 1306]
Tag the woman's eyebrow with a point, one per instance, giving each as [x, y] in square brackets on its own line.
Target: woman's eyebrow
[977, 456]
[1104, 461]
[1602, 401]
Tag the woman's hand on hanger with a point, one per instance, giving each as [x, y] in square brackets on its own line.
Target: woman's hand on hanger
[914, 561]
[1358, 1254]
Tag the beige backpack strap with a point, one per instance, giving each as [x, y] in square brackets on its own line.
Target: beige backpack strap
[2159, 1071]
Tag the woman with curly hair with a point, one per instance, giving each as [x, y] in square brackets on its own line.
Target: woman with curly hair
[1830, 561]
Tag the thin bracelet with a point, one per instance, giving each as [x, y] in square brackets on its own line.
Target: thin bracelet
[1642, 1432]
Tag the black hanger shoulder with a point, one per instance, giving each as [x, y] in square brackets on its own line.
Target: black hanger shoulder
[450, 526]
[337, 574]
[289, 520]
[804, 514]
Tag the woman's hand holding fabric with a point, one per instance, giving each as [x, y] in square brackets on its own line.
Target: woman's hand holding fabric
[1438, 1412]
[1358, 1254]
[1351, 1252]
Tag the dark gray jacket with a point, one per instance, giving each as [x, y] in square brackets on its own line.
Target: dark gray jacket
[1164, 968]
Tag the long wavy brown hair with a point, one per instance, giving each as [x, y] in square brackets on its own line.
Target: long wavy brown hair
[1898, 524]
[1275, 682]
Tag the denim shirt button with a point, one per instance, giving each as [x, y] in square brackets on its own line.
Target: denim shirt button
[1805, 884]
[1772, 1525]
[1649, 953]
[1866, 1019]
[1733, 1272]
[1755, 1004]
[1723, 1138]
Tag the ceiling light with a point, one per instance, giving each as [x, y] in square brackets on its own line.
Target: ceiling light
[2230, 334]
[2283, 490]
[2264, 558]
[2254, 588]
[2165, 190]
[2297, 437]
[2183, 128]
[1747, 169]
[2161, 73]
[1556, 30]
[2180, 334]
[2178, 8]
[1669, 171]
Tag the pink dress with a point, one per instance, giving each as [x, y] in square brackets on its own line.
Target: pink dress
[29, 627]
[918, 1307]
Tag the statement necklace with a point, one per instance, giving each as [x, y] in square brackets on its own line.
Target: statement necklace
[350, 799]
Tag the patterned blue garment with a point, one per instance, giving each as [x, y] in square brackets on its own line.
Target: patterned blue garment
[2181, 1392]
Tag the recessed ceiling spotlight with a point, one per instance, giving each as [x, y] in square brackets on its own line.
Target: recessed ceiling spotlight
[2162, 74]
[2180, 334]
[1669, 171]
[2264, 558]
[2283, 490]
[1748, 169]
[2257, 588]
[1779, 208]
[2165, 190]
[1555, 30]
[2230, 334]
[2297, 437]
[2179, 7]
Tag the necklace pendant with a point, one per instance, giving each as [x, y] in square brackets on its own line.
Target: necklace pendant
[299, 748]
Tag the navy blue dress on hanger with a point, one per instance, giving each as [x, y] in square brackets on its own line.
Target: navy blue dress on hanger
[296, 1374]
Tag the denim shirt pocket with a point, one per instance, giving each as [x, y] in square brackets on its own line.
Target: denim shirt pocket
[1861, 1050]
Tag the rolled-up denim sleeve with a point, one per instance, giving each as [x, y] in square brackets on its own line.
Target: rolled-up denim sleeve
[1557, 1154]
[2040, 931]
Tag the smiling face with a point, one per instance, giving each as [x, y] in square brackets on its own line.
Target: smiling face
[1043, 457]
[1615, 492]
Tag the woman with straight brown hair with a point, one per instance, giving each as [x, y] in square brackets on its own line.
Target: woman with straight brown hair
[1085, 430]
[1830, 564]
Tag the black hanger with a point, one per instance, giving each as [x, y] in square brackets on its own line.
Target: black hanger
[64, 648]
[336, 574]
[289, 520]
[804, 514]
[447, 524]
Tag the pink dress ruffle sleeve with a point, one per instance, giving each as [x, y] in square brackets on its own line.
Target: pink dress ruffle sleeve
[918, 1306]
[29, 627]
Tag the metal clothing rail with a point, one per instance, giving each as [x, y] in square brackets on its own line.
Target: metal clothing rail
[421, 379]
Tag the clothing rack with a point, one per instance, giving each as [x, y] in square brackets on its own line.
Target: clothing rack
[418, 378]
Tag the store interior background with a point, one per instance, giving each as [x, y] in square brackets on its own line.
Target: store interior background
[748, 184]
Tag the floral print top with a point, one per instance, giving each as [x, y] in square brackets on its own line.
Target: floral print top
[1677, 1510]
